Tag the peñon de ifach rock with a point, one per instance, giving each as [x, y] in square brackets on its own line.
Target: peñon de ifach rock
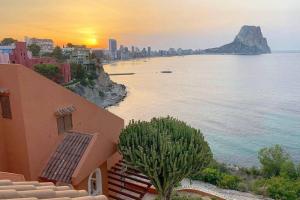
[249, 41]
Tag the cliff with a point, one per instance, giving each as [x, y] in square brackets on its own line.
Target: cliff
[104, 93]
[249, 41]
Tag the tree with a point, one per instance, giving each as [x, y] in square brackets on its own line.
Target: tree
[272, 159]
[164, 149]
[78, 71]
[8, 41]
[57, 53]
[48, 70]
[70, 45]
[35, 49]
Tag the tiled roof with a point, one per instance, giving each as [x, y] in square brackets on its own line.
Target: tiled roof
[65, 110]
[32, 190]
[65, 159]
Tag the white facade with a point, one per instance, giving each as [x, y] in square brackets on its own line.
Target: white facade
[4, 58]
[47, 45]
[4, 53]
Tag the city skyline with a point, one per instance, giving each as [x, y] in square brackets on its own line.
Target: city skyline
[195, 24]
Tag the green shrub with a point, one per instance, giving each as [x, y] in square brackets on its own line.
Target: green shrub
[210, 175]
[272, 159]
[222, 167]
[48, 70]
[259, 187]
[229, 182]
[254, 171]
[282, 189]
[84, 82]
[91, 83]
[288, 170]
[243, 187]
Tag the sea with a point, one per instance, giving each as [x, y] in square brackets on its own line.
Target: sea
[240, 103]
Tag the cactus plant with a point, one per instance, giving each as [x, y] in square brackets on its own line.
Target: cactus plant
[164, 149]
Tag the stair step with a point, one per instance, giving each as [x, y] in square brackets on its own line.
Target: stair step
[124, 194]
[132, 173]
[114, 197]
[129, 183]
[140, 193]
[129, 177]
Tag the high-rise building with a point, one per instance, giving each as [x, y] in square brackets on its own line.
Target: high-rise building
[149, 51]
[112, 44]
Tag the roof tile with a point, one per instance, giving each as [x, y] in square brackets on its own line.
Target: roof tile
[65, 159]
[35, 190]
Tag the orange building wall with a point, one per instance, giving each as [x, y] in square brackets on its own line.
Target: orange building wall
[12, 131]
[3, 162]
[40, 98]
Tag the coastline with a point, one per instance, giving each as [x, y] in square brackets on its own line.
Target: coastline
[104, 93]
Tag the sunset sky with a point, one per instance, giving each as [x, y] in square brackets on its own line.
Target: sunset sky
[159, 23]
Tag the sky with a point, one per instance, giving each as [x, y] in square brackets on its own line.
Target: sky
[196, 24]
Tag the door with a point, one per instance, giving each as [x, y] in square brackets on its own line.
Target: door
[95, 183]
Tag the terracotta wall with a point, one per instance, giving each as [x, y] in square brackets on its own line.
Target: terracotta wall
[12, 130]
[40, 98]
[3, 161]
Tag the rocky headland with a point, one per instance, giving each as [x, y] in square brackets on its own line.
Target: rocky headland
[104, 93]
[249, 41]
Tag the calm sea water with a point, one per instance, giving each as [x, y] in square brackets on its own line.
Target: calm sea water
[240, 103]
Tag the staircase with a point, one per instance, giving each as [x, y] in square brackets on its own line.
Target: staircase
[126, 183]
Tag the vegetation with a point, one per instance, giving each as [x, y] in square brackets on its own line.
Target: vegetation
[8, 41]
[216, 177]
[49, 70]
[166, 150]
[57, 53]
[274, 160]
[70, 45]
[278, 177]
[86, 78]
[35, 49]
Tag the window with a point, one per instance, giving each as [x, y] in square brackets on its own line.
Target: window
[5, 107]
[95, 183]
[64, 123]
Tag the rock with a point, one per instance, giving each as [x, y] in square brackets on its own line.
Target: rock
[249, 41]
[105, 92]
[166, 72]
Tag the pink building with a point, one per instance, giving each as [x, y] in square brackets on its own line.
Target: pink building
[20, 55]
[49, 133]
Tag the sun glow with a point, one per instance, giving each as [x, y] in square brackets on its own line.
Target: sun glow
[92, 41]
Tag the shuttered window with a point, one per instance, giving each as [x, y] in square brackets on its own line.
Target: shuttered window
[5, 107]
[68, 122]
[64, 123]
